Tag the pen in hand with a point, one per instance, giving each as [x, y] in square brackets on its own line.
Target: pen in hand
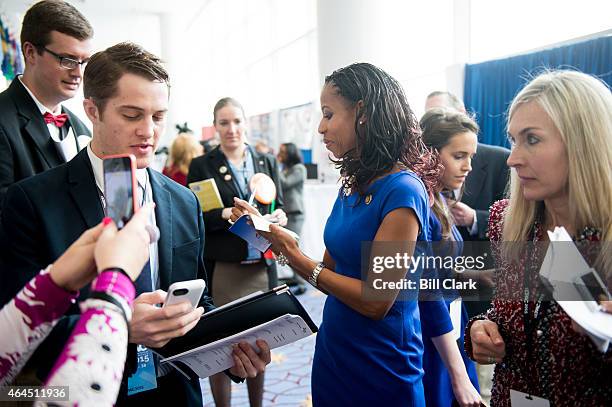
[252, 197]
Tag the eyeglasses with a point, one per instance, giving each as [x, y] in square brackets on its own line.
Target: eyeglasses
[65, 62]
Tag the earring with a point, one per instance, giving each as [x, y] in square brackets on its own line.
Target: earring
[361, 122]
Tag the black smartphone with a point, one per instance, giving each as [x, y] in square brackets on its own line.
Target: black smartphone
[120, 188]
[591, 287]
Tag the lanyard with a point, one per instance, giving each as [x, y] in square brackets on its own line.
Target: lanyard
[540, 306]
[244, 194]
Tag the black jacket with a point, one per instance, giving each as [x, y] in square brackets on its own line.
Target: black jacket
[222, 244]
[26, 147]
[485, 184]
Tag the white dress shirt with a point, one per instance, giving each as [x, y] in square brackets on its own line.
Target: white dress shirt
[68, 146]
[144, 185]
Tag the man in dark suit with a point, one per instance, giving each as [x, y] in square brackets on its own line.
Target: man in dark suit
[36, 132]
[126, 91]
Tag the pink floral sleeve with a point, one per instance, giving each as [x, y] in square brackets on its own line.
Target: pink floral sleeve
[93, 359]
[27, 320]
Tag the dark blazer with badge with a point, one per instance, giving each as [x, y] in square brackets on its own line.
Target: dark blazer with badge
[221, 244]
[44, 214]
[26, 147]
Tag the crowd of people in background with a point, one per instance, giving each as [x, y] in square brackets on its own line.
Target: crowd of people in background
[70, 279]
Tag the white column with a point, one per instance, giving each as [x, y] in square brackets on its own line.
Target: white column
[174, 49]
[354, 31]
[455, 73]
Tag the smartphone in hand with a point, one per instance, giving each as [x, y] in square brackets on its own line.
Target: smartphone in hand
[592, 289]
[120, 188]
[186, 291]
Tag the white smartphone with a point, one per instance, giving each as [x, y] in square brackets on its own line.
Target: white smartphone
[185, 291]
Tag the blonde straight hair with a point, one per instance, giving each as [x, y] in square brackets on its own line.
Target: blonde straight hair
[581, 108]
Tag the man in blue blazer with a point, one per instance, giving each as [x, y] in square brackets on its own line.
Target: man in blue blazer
[126, 91]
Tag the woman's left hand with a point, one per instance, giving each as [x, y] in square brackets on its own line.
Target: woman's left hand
[76, 267]
[248, 362]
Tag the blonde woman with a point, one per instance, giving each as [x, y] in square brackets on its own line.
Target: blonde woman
[560, 127]
[184, 148]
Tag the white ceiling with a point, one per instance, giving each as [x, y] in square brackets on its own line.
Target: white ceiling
[142, 6]
[114, 6]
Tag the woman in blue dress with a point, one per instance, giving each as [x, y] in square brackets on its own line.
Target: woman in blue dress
[449, 374]
[369, 349]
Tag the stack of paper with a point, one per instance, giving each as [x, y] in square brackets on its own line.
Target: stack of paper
[562, 265]
[216, 357]
[275, 316]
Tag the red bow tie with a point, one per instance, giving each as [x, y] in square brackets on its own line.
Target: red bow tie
[58, 120]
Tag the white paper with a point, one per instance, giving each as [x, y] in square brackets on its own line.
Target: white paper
[217, 356]
[563, 262]
[562, 265]
[264, 225]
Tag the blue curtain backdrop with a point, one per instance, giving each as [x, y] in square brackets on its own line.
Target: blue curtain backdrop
[491, 86]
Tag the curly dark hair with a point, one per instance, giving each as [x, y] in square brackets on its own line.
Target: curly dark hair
[390, 135]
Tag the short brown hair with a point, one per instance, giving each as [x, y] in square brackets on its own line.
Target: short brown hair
[105, 68]
[53, 15]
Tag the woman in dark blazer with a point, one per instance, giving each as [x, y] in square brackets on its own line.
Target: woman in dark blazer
[238, 269]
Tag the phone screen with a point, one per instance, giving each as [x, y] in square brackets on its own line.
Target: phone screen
[118, 190]
[594, 287]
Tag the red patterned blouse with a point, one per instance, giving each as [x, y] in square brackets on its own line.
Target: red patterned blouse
[565, 367]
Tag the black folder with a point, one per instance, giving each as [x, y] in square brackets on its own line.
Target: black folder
[241, 315]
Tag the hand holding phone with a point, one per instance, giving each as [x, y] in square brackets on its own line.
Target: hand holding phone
[592, 289]
[185, 291]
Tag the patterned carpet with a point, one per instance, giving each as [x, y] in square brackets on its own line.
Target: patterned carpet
[287, 380]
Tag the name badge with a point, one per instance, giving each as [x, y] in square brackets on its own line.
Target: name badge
[145, 377]
[520, 399]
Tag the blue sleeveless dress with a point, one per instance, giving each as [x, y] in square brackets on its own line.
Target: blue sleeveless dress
[359, 361]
